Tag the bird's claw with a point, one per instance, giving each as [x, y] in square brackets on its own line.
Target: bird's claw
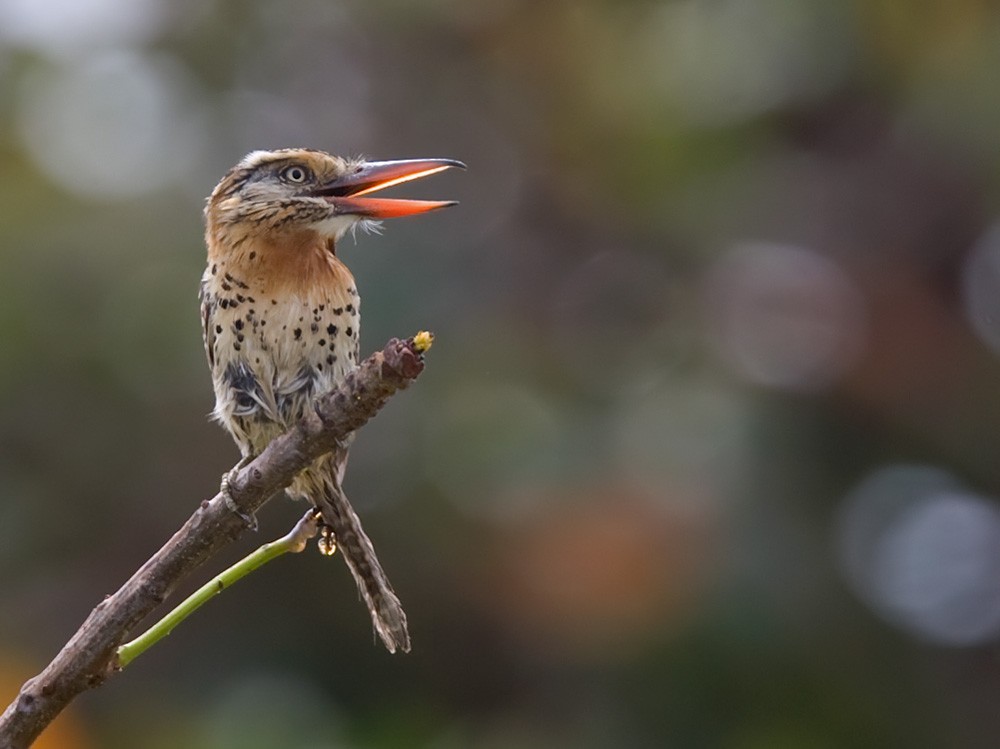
[227, 496]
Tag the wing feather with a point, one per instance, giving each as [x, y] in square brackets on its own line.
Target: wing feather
[207, 330]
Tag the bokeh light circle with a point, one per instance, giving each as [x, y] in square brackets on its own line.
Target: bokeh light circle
[119, 125]
[785, 316]
[924, 554]
[981, 288]
[63, 27]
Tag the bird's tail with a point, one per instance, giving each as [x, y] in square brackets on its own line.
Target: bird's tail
[387, 613]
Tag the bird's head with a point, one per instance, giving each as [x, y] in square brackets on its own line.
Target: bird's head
[295, 189]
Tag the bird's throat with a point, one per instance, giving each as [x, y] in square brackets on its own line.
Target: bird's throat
[300, 263]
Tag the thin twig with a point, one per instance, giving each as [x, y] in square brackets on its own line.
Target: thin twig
[89, 656]
[294, 541]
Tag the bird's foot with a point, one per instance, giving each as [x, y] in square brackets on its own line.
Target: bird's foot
[227, 495]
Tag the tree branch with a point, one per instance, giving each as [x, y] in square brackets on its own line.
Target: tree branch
[89, 656]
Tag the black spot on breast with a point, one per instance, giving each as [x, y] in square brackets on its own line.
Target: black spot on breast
[239, 337]
[240, 298]
[252, 254]
[229, 277]
[218, 328]
[214, 268]
[226, 287]
[350, 308]
[297, 333]
[331, 358]
[331, 329]
[314, 328]
[322, 341]
[349, 332]
[238, 324]
[337, 310]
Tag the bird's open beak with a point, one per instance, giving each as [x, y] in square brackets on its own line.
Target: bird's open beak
[346, 192]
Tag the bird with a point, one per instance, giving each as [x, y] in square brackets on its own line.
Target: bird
[281, 318]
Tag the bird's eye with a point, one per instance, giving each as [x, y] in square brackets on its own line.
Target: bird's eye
[295, 174]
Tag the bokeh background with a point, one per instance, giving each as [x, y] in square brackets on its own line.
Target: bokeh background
[706, 454]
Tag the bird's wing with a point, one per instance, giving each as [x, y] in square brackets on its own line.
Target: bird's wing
[207, 333]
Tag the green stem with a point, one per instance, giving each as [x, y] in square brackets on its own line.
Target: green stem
[294, 542]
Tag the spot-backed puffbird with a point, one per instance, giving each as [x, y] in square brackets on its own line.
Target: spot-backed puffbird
[281, 316]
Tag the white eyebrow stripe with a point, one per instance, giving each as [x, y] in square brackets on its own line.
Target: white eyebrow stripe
[256, 158]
